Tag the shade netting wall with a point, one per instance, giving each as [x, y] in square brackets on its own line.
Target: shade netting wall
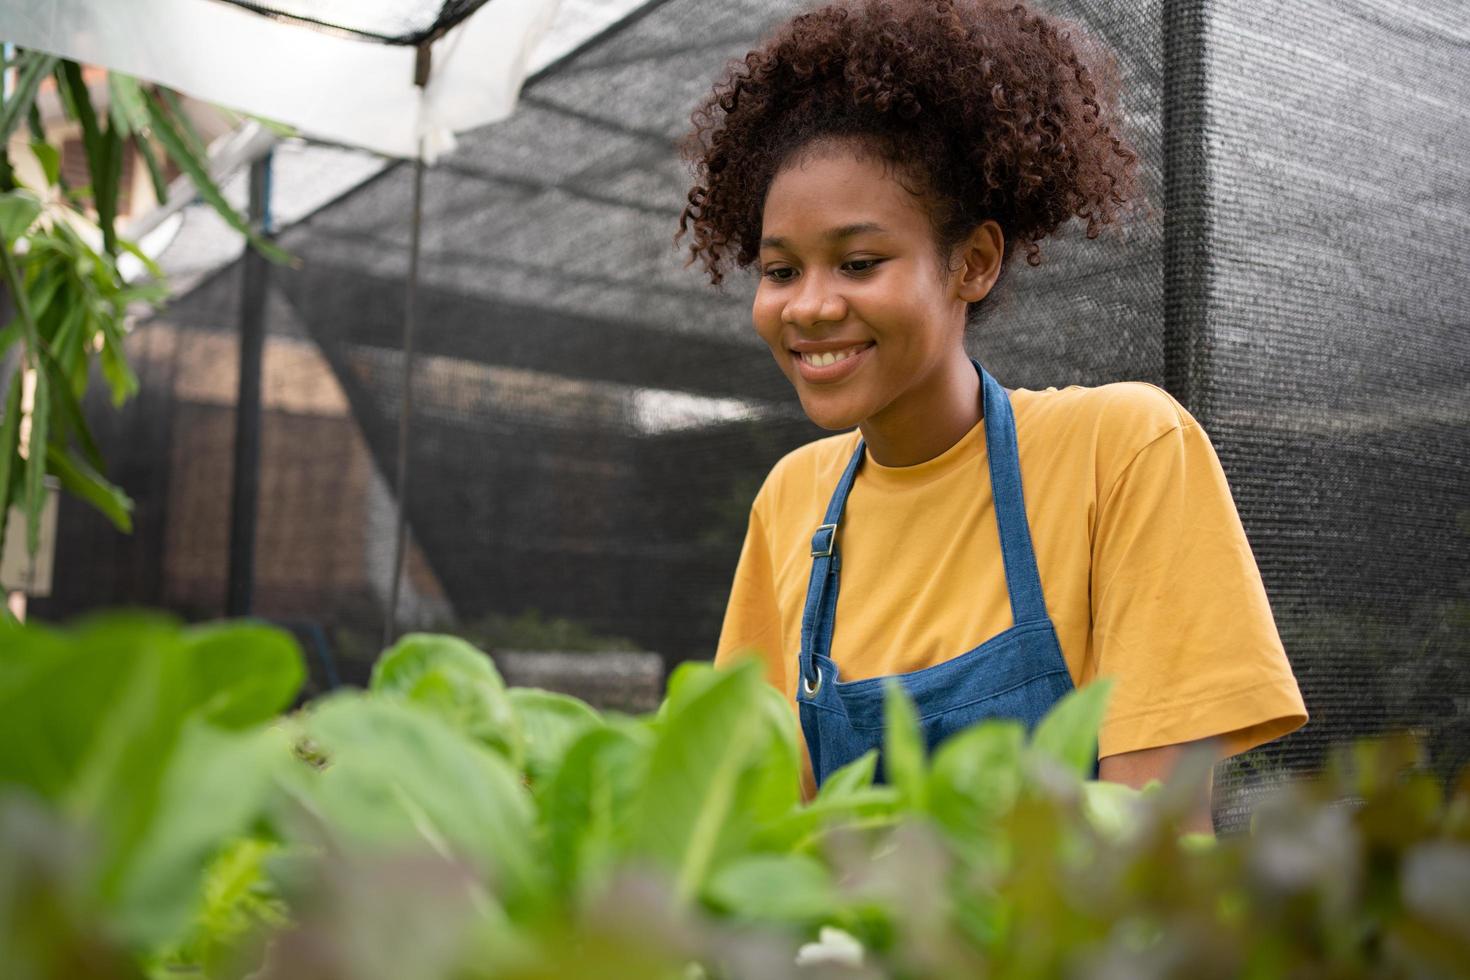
[592, 421]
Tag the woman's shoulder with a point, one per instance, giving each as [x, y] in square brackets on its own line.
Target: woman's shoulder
[1109, 424]
[1121, 412]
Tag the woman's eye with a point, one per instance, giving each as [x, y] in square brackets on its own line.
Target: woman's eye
[783, 273]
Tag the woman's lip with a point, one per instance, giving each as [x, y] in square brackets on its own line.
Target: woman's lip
[831, 372]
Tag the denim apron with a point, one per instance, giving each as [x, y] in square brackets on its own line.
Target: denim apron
[1018, 674]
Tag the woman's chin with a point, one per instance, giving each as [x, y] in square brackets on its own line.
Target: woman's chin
[830, 417]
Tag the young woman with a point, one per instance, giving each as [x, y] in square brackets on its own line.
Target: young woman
[878, 162]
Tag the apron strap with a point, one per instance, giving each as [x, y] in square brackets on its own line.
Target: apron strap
[821, 591]
[1023, 581]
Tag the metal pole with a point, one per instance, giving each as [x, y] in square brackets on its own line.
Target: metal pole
[390, 621]
[245, 481]
[1187, 230]
[422, 68]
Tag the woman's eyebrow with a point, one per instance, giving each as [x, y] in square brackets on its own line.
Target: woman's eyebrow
[834, 234]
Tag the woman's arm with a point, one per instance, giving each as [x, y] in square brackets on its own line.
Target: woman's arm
[1137, 768]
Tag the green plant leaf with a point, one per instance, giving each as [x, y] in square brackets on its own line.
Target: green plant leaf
[232, 679]
[18, 211]
[976, 775]
[127, 103]
[281, 129]
[455, 681]
[88, 485]
[169, 98]
[1111, 808]
[217, 785]
[157, 292]
[89, 719]
[710, 733]
[194, 162]
[688, 682]
[851, 778]
[239, 903]
[103, 148]
[242, 673]
[67, 421]
[846, 795]
[399, 774]
[49, 157]
[787, 888]
[1068, 732]
[8, 336]
[800, 829]
[155, 168]
[43, 289]
[117, 371]
[549, 724]
[66, 344]
[33, 67]
[587, 803]
[903, 746]
[9, 439]
[771, 785]
[37, 129]
[138, 716]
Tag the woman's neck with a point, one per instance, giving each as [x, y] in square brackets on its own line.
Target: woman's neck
[927, 422]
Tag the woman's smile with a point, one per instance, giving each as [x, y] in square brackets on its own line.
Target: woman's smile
[824, 364]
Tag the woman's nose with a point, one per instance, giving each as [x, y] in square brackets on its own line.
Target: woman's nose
[814, 301]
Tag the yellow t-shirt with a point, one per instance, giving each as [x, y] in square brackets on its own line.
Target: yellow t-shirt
[1146, 570]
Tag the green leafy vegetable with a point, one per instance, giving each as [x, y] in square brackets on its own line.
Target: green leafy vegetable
[161, 814]
[1068, 733]
[455, 681]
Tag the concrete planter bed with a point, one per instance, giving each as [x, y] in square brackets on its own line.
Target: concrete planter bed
[609, 681]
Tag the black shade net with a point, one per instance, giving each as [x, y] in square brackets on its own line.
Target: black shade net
[592, 421]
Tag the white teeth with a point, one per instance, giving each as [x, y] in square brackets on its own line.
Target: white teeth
[822, 360]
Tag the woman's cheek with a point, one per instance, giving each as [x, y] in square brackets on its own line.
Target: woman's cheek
[765, 316]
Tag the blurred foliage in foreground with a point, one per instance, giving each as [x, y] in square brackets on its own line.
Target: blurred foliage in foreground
[160, 818]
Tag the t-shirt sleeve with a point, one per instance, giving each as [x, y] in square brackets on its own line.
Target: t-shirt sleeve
[1181, 620]
[753, 627]
[752, 617]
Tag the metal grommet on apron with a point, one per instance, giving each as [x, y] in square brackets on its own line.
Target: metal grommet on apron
[1017, 674]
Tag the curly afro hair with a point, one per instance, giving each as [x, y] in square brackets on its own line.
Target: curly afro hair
[985, 110]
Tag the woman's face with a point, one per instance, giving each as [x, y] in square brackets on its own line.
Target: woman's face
[848, 267]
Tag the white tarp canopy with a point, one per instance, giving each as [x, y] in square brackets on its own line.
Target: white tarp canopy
[328, 84]
[396, 76]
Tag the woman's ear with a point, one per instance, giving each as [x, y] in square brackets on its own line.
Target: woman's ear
[979, 261]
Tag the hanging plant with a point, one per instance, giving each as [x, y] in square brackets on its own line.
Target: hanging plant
[68, 296]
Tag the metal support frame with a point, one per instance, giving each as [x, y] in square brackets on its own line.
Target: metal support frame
[400, 534]
[421, 72]
[245, 478]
